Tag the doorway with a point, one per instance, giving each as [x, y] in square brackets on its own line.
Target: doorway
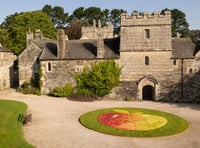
[148, 92]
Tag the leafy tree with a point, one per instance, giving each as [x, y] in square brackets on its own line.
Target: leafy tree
[4, 39]
[57, 15]
[93, 13]
[74, 29]
[115, 17]
[8, 21]
[195, 35]
[99, 80]
[28, 21]
[78, 14]
[179, 23]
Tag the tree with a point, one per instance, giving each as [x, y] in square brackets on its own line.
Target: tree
[57, 15]
[195, 35]
[8, 20]
[99, 80]
[78, 14]
[179, 23]
[93, 13]
[28, 21]
[115, 17]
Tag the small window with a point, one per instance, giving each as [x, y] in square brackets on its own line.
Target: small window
[38, 61]
[49, 67]
[190, 71]
[146, 60]
[147, 33]
[174, 62]
[78, 68]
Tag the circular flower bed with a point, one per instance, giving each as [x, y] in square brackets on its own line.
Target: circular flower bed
[135, 122]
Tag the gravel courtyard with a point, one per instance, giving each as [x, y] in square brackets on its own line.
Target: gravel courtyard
[55, 124]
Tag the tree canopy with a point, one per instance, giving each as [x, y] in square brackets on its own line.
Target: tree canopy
[179, 23]
[24, 22]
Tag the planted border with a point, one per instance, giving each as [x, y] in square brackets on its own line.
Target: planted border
[174, 125]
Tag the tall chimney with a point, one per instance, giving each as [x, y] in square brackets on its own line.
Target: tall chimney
[61, 46]
[100, 45]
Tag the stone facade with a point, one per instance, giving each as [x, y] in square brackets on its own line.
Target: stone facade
[7, 59]
[92, 31]
[154, 65]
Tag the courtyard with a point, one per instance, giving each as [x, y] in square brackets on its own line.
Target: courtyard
[55, 123]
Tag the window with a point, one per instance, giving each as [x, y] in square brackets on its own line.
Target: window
[147, 33]
[49, 67]
[146, 60]
[78, 68]
[38, 61]
[190, 71]
[174, 62]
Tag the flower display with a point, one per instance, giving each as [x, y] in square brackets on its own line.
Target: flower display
[124, 120]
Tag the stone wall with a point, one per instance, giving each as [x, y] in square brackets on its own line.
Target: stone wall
[28, 63]
[92, 31]
[61, 72]
[6, 69]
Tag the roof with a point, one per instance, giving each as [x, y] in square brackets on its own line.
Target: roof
[80, 49]
[183, 48]
[2, 49]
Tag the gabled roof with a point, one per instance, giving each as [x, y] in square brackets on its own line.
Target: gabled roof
[183, 48]
[2, 49]
[80, 49]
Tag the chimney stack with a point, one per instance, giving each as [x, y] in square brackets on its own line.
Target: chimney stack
[61, 46]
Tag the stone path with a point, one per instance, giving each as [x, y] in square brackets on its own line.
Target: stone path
[55, 124]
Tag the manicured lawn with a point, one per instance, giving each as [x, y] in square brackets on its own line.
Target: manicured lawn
[11, 135]
[107, 121]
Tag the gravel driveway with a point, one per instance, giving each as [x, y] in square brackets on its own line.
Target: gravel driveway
[55, 124]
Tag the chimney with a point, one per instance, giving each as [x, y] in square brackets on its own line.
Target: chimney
[100, 45]
[61, 46]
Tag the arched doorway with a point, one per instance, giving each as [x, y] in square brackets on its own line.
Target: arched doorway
[147, 88]
[148, 92]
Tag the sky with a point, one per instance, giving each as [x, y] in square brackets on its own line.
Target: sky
[189, 7]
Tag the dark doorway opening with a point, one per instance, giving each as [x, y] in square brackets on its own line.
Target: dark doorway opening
[148, 92]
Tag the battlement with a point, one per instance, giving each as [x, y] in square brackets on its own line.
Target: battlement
[92, 31]
[146, 19]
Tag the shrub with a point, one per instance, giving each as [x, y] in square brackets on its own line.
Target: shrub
[98, 81]
[63, 91]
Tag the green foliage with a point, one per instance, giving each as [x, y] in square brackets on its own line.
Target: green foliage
[23, 22]
[179, 23]
[63, 91]
[11, 134]
[56, 14]
[99, 80]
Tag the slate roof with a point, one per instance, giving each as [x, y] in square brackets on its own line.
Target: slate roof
[183, 48]
[87, 49]
[79, 49]
[2, 49]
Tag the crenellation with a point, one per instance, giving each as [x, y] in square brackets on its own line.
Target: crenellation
[156, 18]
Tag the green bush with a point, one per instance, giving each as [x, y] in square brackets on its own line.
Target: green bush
[98, 81]
[63, 91]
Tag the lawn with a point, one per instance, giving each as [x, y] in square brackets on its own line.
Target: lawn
[134, 122]
[11, 135]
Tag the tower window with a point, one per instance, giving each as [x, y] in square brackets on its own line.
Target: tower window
[49, 67]
[174, 62]
[146, 60]
[147, 33]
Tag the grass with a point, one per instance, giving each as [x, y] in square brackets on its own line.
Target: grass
[175, 124]
[11, 135]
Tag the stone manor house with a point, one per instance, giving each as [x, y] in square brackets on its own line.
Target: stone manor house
[154, 65]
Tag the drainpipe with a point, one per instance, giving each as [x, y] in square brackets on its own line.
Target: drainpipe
[182, 80]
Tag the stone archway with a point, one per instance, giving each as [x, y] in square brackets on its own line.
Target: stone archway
[147, 88]
[148, 92]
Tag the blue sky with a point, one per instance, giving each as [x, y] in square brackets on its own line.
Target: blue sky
[190, 8]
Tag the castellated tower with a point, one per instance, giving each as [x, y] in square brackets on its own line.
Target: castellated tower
[146, 31]
[146, 52]
[61, 46]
